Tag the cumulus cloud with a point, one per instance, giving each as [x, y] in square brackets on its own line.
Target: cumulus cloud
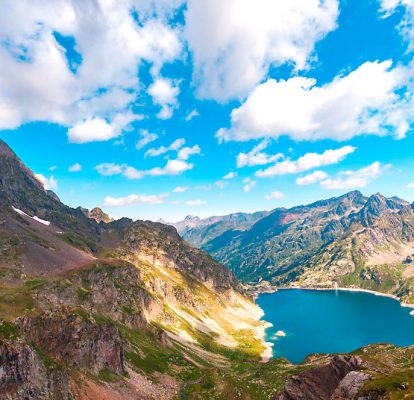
[274, 195]
[109, 169]
[186, 152]
[164, 93]
[197, 202]
[248, 37]
[48, 183]
[249, 184]
[92, 130]
[311, 178]
[363, 102]
[146, 137]
[306, 162]
[133, 199]
[180, 189]
[183, 153]
[40, 83]
[75, 168]
[256, 156]
[174, 146]
[357, 178]
[172, 167]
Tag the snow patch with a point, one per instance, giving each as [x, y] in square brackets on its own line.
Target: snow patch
[42, 221]
[20, 211]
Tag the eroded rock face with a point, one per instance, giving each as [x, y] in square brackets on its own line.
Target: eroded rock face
[160, 244]
[321, 383]
[77, 342]
[349, 386]
[23, 375]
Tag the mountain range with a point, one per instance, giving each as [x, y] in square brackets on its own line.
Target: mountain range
[95, 308]
[351, 241]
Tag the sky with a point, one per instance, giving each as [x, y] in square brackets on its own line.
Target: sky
[160, 109]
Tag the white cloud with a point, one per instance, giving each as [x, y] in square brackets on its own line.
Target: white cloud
[109, 169]
[146, 138]
[249, 184]
[192, 114]
[133, 199]
[410, 185]
[92, 130]
[172, 167]
[230, 175]
[356, 179]
[164, 93]
[274, 195]
[174, 146]
[132, 173]
[248, 37]
[406, 26]
[39, 82]
[75, 168]
[48, 183]
[197, 202]
[311, 178]
[307, 162]
[256, 156]
[180, 189]
[186, 152]
[362, 102]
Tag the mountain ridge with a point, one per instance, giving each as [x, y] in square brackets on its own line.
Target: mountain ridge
[352, 240]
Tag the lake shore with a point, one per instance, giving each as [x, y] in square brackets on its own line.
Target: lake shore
[273, 289]
[267, 354]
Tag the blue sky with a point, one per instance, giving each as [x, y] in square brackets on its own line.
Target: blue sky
[168, 108]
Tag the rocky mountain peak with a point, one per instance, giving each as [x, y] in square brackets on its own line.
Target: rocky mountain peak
[189, 218]
[99, 216]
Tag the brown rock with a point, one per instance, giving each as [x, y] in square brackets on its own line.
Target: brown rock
[321, 382]
[78, 342]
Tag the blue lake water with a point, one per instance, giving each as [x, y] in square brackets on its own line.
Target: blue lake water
[333, 321]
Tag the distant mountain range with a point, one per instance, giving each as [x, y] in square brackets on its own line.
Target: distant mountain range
[352, 240]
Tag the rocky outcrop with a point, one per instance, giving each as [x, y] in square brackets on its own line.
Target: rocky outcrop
[23, 375]
[76, 341]
[96, 214]
[323, 382]
[160, 244]
[349, 386]
[114, 290]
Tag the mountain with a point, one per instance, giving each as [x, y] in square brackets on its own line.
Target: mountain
[353, 240]
[128, 310]
[200, 231]
[107, 307]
